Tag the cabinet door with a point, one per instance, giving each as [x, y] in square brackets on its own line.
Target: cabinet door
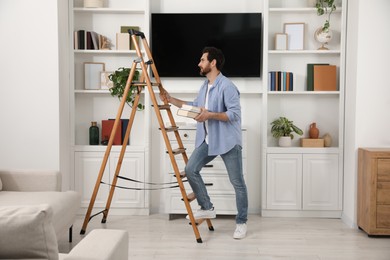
[284, 181]
[321, 182]
[87, 166]
[133, 168]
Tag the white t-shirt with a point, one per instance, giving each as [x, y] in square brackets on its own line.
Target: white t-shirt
[206, 105]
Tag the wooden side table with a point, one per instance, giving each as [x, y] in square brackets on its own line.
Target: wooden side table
[374, 191]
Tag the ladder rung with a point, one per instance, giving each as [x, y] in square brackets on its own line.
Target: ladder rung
[171, 128]
[182, 174]
[143, 84]
[190, 197]
[166, 107]
[178, 151]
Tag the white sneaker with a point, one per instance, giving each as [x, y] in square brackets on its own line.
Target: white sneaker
[201, 213]
[240, 231]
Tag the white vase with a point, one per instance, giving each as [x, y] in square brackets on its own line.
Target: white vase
[285, 141]
[93, 3]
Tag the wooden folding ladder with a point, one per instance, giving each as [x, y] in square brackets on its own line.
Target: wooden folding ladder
[145, 81]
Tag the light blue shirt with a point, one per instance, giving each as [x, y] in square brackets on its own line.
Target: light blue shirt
[223, 97]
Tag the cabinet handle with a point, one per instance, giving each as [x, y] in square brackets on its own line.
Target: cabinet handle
[209, 184]
[185, 135]
[208, 166]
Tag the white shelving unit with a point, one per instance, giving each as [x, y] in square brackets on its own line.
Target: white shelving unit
[98, 105]
[300, 181]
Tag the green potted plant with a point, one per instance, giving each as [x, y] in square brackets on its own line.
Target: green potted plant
[283, 129]
[325, 7]
[119, 80]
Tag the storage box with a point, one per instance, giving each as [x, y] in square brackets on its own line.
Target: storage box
[308, 142]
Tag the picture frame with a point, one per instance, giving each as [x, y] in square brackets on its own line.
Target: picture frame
[105, 82]
[296, 35]
[92, 76]
[281, 41]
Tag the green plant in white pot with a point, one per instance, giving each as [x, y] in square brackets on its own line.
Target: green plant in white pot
[283, 129]
[119, 80]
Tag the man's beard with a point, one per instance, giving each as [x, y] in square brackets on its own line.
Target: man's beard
[205, 71]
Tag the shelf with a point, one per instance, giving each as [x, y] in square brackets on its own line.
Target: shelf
[306, 52]
[105, 52]
[93, 91]
[300, 150]
[299, 10]
[102, 148]
[304, 92]
[108, 10]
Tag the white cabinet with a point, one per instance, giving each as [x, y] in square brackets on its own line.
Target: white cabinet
[88, 105]
[214, 175]
[300, 179]
[87, 166]
[284, 181]
[309, 184]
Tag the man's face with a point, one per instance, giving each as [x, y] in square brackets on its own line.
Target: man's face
[204, 65]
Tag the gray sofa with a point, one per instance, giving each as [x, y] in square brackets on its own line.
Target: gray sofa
[26, 187]
[34, 212]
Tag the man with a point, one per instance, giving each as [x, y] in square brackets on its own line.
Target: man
[218, 132]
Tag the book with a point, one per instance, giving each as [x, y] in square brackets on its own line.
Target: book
[125, 29]
[122, 41]
[325, 78]
[107, 126]
[188, 111]
[125, 123]
[310, 75]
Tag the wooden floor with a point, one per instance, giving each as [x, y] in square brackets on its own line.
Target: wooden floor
[157, 237]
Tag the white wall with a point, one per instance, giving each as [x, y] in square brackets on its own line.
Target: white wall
[368, 91]
[29, 91]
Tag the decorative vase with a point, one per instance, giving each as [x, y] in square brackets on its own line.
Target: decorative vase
[327, 140]
[313, 131]
[323, 37]
[285, 141]
[94, 134]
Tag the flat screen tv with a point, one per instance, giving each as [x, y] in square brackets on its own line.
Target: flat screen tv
[177, 40]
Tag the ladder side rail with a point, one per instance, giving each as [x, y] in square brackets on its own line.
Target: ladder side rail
[108, 151]
[122, 153]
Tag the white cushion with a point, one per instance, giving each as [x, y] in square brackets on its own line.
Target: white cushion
[27, 232]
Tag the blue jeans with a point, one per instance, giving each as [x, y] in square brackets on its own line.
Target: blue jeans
[233, 163]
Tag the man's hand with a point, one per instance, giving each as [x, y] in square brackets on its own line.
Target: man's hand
[164, 96]
[207, 115]
[203, 116]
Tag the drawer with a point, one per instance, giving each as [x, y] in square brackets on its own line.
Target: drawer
[384, 170]
[223, 204]
[220, 185]
[186, 135]
[383, 193]
[383, 216]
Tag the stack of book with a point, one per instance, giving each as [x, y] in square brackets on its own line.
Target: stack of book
[108, 125]
[280, 81]
[87, 40]
[321, 77]
[188, 111]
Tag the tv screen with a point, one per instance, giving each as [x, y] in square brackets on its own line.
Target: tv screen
[177, 41]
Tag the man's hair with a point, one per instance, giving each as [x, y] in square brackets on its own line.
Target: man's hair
[215, 54]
